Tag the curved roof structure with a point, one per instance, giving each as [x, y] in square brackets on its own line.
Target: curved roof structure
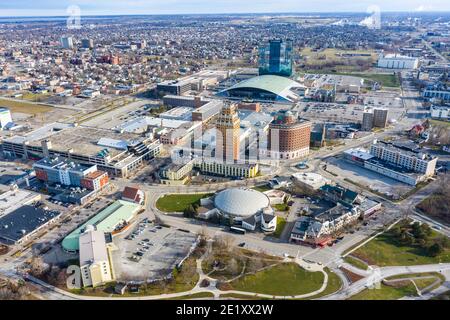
[241, 202]
[106, 221]
[280, 88]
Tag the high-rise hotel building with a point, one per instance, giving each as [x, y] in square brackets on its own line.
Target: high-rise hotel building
[289, 137]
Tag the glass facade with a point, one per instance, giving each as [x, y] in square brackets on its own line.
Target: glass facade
[276, 58]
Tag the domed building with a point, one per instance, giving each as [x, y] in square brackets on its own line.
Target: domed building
[240, 202]
[245, 206]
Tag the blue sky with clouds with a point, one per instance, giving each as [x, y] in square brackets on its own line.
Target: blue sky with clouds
[94, 7]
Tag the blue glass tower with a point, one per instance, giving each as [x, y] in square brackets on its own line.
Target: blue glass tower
[276, 58]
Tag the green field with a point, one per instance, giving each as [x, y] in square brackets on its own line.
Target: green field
[184, 280]
[386, 293]
[199, 295]
[178, 202]
[385, 250]
[424, 280]
[281, 207]
[35, 97]
[262, 188]
[286, 279]
[334, 284]
[440, 122]
[387, 80]
[241, 296]
[356, 263]
[281, 223]
[24, 107]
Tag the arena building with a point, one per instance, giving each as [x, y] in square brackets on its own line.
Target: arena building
[266, 88]
[240, 202]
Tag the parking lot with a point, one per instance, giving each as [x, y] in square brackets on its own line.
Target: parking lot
[343, 112]
[150, 251]
[365, 177]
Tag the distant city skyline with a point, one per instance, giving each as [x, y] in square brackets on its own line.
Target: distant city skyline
[104, 7]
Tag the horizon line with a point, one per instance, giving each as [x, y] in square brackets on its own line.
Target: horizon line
[223, 13]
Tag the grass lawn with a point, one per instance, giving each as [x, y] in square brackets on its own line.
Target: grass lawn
[193, 296]
[262, 188]
[386, 293]
[178, 202]
[424, 280]
[440, 123]
[415, 275]
[35, 97]
[281, 207]
[233, 262]
[281, 223]
[334, 284]
[385, 250]
[184, 280]
[387, 80]
[241, 296]
[286, 279]
[356, 263]
[24, 107]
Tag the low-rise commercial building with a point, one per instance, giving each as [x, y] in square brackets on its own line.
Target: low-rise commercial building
[309, 180]
[22, 223]
[228, 169]
[113, 219]
[68, 173]
[400, 163]
[207, 111]
[5, 118]
[396, 61]
[437, 91]
[440, 113]
[133, 194]
[95, 258]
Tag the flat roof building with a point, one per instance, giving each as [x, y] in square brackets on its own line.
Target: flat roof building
[117, 153]
[310, 180]
[112, 219]
[289, 137]
[396, 61]
[21, 223]
[15, 198]
[95, 259]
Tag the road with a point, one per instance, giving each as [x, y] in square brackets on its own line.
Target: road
[329, 256]
[385, 272]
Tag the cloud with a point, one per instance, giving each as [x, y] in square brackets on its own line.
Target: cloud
[422, 8]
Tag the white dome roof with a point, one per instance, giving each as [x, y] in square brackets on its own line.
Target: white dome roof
[241, 202]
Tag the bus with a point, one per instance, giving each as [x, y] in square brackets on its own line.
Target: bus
[237, 230]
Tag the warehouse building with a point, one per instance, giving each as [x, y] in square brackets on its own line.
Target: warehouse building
[22, 223]
[396, 61]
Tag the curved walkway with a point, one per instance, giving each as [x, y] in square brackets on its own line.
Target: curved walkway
[63, 294]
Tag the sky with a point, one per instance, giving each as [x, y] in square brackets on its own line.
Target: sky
[112, 7]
